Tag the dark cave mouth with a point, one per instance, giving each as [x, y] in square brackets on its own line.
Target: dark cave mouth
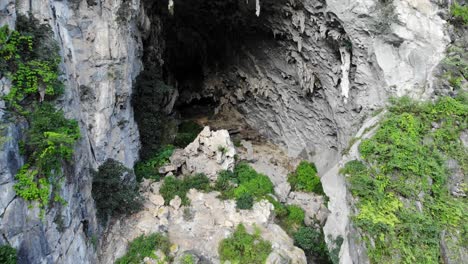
[200, 38]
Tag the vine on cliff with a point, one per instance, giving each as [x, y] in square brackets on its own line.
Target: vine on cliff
[29, 58]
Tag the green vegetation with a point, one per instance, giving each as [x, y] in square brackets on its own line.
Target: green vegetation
[459, 13]
[186, 133]
[305, 179]
[188, 259]
[8, 255]
[312, 242]
[295, 217]
[173, 186]
[112, 191]
[403, 166]
[243, 184]
[29, 58]
[145, 246]
[244, 248]
[455, 66]
[149, 169]
[156, 128]
[245, 201]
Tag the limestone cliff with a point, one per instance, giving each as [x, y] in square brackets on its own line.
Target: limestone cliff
[304, 73]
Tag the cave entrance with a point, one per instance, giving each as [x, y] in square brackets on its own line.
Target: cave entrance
[188, 42]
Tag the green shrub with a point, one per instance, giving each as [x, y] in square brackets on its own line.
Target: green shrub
[188, 259]
[224, 181]
[29, 58]
[244, 173]
[173, 186]
[145, 246]
[244, 248]
[259, 186]
[249, 184]
[113, 193]
[8, 255]
[295, 215]
[49, 144]
[459, 12]
[149, 169]
[305, 178]
[312, 242]
[245, 201]
[186, 133]
[405, 158]
[280, 209]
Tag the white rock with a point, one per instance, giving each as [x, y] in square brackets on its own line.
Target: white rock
[176, 202]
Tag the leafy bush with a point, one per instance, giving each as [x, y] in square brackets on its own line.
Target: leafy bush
[224, 181]
[245, 201]
[145, 246]
[186, 133]
[113, 192]
[244, 248]
[404, 159]
[280, 209]
[244, 182]
[8, 255]
[29, 58]
[49, 143]
[295, 215]
[156, 129]
[259, 186]
[173, 186]
[459, 12]
[312, 242]
[305, 178]
[149, 169]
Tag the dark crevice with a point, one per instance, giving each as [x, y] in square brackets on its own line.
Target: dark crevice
[200, 38]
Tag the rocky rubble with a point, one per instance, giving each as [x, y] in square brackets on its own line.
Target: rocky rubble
[197, 228]
[209, 153]
[200, 226]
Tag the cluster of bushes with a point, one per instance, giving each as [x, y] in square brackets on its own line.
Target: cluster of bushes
[113, 191]
[29, 58]
[406, 161]
[244, 248]
[173, 186]
[149, 169]
[8, 255]
[244, 184]
[305, 179]
[146, 246]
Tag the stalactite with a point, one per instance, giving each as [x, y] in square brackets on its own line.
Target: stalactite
[257, 7]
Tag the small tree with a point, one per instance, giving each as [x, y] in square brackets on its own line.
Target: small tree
[114, 190]
[8, 255]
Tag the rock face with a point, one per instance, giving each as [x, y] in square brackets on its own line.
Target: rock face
[324, 66]
[197, 228]
[210, 153]
[100, 46]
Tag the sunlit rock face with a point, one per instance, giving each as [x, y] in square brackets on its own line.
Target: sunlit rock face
[100, 47]
[305, 74]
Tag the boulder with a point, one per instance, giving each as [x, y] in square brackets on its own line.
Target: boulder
[210, 153]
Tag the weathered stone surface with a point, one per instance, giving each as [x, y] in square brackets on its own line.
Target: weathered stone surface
[313, 206]
[212, 220]
[100, 62]
[210, 153]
